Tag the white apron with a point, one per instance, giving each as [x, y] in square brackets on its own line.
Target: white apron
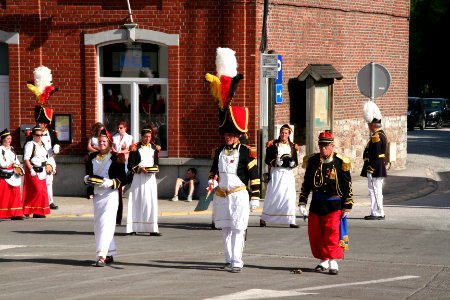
[142, 214]
[233, 210]
[106, 202]
[281, 197]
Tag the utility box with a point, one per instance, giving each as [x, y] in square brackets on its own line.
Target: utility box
[23, 129]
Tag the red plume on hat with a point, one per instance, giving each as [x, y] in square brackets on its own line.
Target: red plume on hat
[42, 89]
[223, 87]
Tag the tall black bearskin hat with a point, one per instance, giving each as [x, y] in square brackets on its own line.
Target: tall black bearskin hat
[232, 119]
[43, 114]
[42, 89]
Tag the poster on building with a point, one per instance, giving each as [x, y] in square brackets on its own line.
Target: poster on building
[321, 107]
[63, 125]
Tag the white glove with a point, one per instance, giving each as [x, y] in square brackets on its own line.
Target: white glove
[254, 204]
[344, 214]
[56, 149]
[213, 182]
[303, 210]
[85, 179]
[107, 183]
[33, 173]
[292, 164]
[279, 162]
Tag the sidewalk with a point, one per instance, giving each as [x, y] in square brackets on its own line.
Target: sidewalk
[400, 185]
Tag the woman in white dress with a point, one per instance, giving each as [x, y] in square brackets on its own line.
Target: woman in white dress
[106, 171]
[11, 205]
[281, 198]
[142, 215]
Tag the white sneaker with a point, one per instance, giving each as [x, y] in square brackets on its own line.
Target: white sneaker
[174, 198]
[189, 198]
[334, 268]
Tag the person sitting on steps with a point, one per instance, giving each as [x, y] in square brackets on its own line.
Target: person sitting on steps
[187, 188]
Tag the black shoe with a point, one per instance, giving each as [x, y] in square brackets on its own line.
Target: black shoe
[155, 234]
[381, 217]
[320, 268]
[53, 206]
[333, 272]
[262, 223]
[226, 266]
[294, 226]
[17, 218]
[109, 260]
[370, 217]
[38, 216]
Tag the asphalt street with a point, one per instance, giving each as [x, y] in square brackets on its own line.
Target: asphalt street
[402, 257]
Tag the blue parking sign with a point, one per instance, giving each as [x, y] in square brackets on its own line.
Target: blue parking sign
[278, 93]
[279, 82]
[279, 79]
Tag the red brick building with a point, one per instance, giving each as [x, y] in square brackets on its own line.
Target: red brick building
[101, 57]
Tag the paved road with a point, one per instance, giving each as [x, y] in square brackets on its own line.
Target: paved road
[403, 257]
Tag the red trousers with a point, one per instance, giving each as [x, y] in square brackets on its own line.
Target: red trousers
[323, 232]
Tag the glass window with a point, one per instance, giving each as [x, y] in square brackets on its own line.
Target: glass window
[133, 90]
[4, 59]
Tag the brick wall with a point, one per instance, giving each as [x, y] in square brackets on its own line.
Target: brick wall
[346, 34]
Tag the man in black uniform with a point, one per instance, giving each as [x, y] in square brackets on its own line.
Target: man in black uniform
[374, 156]
[328, 176]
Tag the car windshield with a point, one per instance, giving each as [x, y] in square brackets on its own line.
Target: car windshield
[433, 103]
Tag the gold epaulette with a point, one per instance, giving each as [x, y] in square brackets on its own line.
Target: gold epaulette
[252, 151]
[346, 164]
[305, 162]
[375, 138]
[269, 143]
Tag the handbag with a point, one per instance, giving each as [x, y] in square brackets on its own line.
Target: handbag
[6, 173]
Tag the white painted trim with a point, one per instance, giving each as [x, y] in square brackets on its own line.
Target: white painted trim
[121, 35]
[9, 37]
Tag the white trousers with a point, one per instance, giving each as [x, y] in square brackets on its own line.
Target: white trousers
[233, 240]
[375, 185]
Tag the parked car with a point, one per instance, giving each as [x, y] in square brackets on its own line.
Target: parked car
[416, 113]
[437, 111]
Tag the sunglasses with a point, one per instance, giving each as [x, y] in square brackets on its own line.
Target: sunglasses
[39, 135]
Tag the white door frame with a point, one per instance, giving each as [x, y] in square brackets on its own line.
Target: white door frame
[4, 102]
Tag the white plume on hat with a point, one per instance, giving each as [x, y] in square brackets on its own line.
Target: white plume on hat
[371, 112]
[226, 63]
[42, 77]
